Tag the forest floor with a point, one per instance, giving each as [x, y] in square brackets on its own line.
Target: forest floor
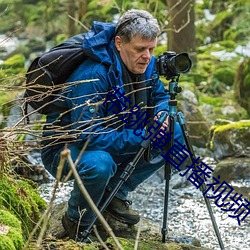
[149, 238]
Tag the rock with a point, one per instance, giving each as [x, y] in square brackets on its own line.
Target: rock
[197, 125]
[189, 96]
[228, 110]
[229, 140]
[233, 169]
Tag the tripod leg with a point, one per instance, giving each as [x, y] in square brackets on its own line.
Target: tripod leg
[164, 230]
[167, 177]
[181, 121]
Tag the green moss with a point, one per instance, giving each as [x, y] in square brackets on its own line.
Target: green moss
[214, 101]
[21, 199]
[13, 239]
[225, 75]
[228, 45]
[242, 84]
[6, 243]
[174, 246]
[236, 125]
[9, 219]
[13, 71]
[128, 244]
[16, 237]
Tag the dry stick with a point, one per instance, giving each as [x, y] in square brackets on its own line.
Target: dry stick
[66, 154]
[137, 236]
[45, 217]
[99, 238]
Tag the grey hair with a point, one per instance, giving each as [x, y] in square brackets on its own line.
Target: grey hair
[137, 22]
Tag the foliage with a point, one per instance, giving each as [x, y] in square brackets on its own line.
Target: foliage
[228, 23]
[17, 60]
[22, 200]
[242, 84]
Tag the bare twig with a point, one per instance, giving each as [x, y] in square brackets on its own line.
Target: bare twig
[67, 155]
[137, 236]
[77, 21]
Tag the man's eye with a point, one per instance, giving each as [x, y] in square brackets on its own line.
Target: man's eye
[139, 50]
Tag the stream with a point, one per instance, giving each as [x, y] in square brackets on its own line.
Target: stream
[187, 213]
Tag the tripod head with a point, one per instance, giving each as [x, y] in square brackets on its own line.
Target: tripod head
[174, 89]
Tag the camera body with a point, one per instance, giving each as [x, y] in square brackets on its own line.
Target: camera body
[171, 65]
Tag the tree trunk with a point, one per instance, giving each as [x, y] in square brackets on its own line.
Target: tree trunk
[83, 7]
[181, 27]
[71, 6]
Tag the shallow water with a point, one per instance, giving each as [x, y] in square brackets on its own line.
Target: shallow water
[188, 216]
[187, 212]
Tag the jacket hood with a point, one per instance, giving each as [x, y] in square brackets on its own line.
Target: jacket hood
[98, 43]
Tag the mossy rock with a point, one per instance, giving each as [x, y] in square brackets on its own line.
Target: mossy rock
[11, 237]
[231, 139]
[22, 200]
[233, 169]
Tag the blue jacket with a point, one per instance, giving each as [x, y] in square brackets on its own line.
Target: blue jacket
[88, 117]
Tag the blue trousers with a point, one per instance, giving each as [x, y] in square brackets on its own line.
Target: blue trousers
[99, 171]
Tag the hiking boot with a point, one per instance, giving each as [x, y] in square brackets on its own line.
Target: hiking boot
[75, 231]
[121, 211]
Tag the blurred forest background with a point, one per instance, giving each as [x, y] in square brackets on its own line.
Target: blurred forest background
[215, 34]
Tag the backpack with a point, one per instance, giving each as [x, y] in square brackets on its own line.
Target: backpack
[47, 74]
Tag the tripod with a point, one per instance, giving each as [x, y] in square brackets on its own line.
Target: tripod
[173, 90]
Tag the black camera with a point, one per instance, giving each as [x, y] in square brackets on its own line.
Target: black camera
[171, 65]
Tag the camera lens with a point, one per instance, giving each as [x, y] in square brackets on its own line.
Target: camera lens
[182, 63]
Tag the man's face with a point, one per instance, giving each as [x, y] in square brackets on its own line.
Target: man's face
[137, 53]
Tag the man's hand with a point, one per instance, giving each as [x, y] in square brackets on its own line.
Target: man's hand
[165, 124]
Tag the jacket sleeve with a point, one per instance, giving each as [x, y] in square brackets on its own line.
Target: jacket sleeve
[89, 120]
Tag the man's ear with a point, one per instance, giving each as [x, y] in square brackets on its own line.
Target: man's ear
[118, 42]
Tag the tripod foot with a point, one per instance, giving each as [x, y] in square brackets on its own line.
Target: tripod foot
[164, 232]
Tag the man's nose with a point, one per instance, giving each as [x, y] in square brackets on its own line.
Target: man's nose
[146, 54]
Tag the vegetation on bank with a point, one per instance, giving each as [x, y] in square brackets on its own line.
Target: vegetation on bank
[20, 209]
